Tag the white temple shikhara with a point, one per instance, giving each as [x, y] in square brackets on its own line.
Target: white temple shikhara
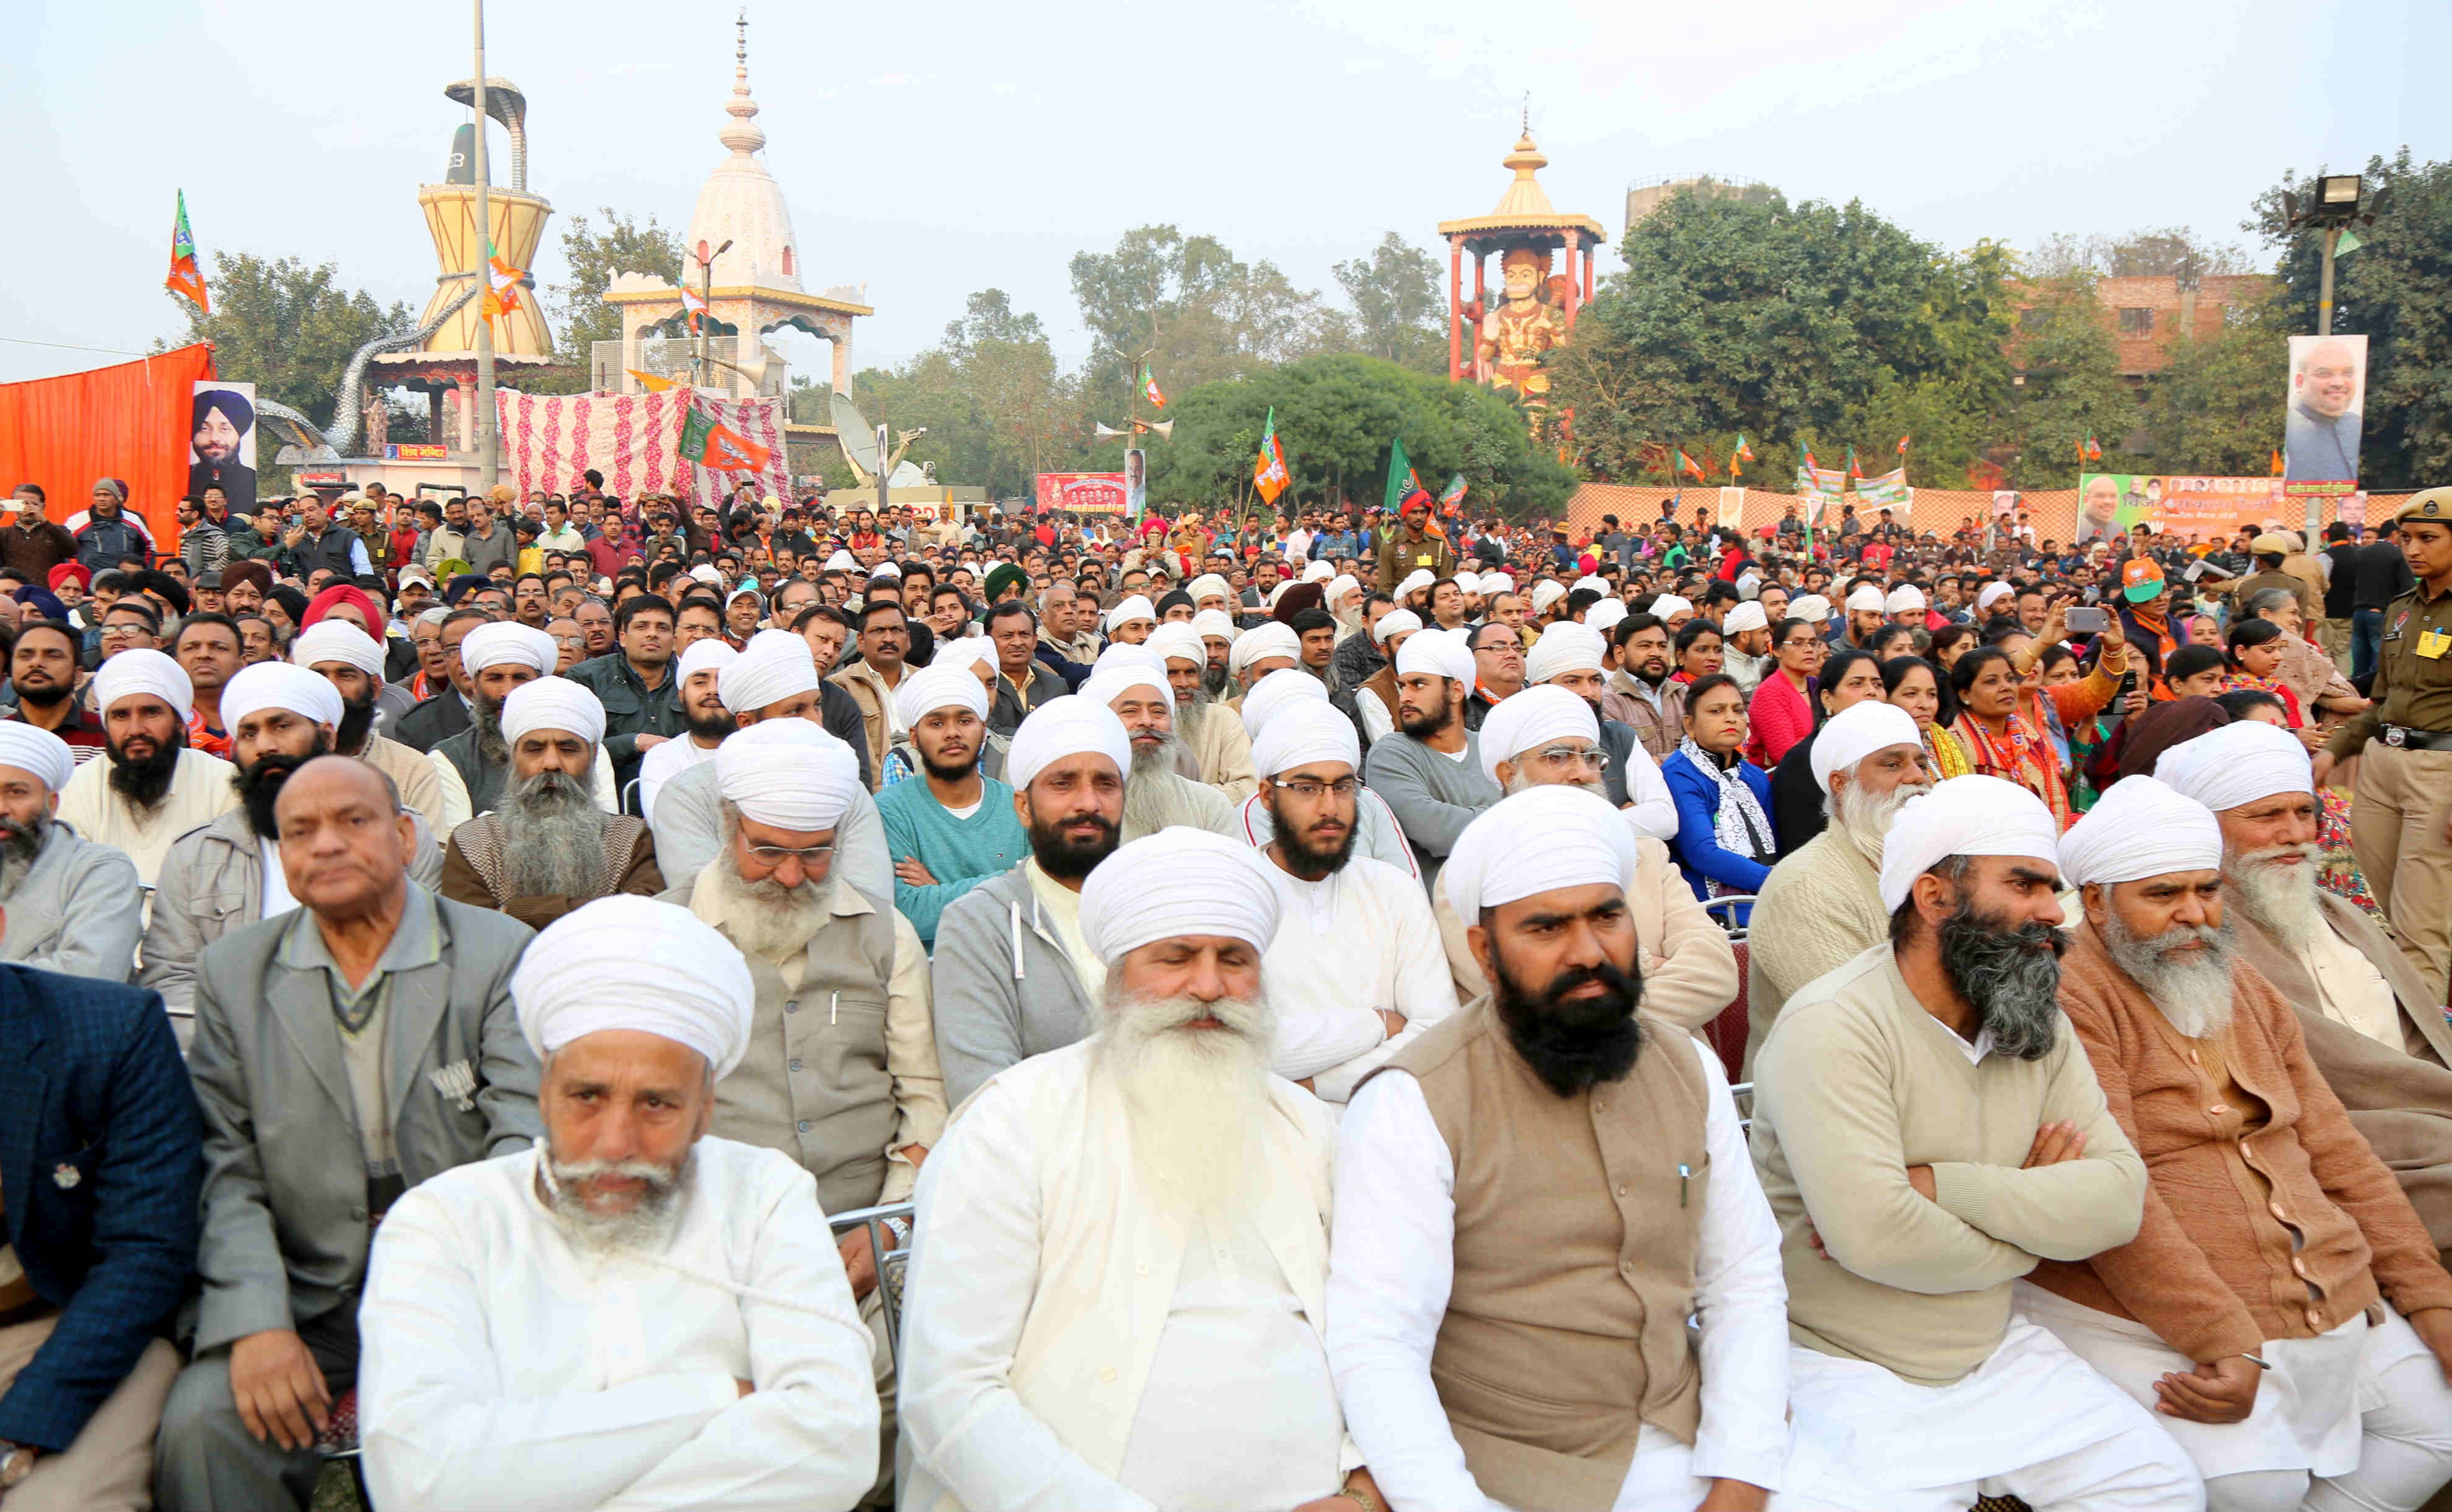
[756, 280]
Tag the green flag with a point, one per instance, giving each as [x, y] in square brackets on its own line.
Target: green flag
[1400, 475]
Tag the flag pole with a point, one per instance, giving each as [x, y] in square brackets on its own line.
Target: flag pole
[489, 461]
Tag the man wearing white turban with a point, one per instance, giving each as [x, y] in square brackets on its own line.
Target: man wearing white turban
[475, 765]
[1477, 1369]
[1689, 973]
[1213, 735]
[494, 1288]
[2303, 1337]
[545, 848]
[952, 824]
[1130, 621]
[72, 906]
[1217, 631]
[1208, 590]
[1926, 1136]
[1014, 977]
[1157, 793]
[1118, 1286]
[153, 787]
[1821, 907]
[1746, 646]
[347, 656]
[1355, 970]
[2368, 1020]
[1429, 769]
[1571, 658]
[1374, 692]
[705, 719]
[1865, 614]
[1262, 650]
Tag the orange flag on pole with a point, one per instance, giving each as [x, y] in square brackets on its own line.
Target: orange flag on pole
[186, 276]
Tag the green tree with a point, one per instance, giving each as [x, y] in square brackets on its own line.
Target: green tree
[2215, 409]
[995, 405]
[1399, 314]
[594, 255]
[2065, 351]
[2395, 290]
[1208, 314]
[287, 328]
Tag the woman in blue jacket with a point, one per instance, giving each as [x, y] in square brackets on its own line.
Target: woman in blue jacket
[1725, 840]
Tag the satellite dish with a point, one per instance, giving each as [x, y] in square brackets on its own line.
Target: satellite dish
[854, 435]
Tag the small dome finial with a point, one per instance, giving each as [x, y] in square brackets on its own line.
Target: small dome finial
[741, 133]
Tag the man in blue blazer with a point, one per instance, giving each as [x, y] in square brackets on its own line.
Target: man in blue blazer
[101, 1159]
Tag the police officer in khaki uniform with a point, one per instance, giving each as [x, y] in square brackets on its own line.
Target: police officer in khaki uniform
[2401, 820]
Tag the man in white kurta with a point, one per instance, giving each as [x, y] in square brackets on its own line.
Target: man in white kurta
[1548, 866]
[1357, 970]
[152, 787]
[1120, 1252]
[635, 1315]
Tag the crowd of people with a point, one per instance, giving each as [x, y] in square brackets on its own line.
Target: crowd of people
[1333, 1010]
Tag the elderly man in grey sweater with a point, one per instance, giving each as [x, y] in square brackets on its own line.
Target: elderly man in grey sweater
[72, 906]
[1429, 769]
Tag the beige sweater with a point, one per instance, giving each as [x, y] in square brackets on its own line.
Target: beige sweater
[1857, 1083]
[1819, 910]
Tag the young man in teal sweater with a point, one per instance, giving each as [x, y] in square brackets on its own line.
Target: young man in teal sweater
[952, 829]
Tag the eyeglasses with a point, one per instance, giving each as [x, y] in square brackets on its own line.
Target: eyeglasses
[775, 856]
[1803, 643]
[1594, 758]
[1309, 789]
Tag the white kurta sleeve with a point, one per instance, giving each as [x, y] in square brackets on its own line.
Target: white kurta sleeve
[1741, 1301]
[458, 809]
[1391, 1261]
[910, 1062]
[1425, 988]
[1649, 808]
[974, 1268]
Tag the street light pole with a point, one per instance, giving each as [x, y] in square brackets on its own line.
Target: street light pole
[489, 461]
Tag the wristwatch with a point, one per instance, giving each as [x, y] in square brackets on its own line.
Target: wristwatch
[901, 1229]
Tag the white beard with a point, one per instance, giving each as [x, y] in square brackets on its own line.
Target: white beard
[1154, 790]
[2282, 899]
[1866, 819]
[1517, 782]
[2192, 988]
[768, 920]
[1194, 1098]
[648, 1225]
[553, 838]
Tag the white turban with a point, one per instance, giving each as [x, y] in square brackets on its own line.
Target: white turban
[934, 687]
[1813, 608]
[1543, 839]
[553, 703]
[2140, 828]
[1605, 615]
[1991, 594]
[1418, 579]
[1564, 647]
[1743, 618]
[1395, 623]
[714, 652]
[279, 685]
[333, 639]
[1177, 639]
[1260, 642]
[969, 650]
[775, 665]
[713, 575]
[139, 671]
[842, 561]
[1319, 572]
[1216, 622]
[1855, 732]
[37, 751]
[1303, 732]
[1667, 604]
[1111, 683]
[1469, 582]
[626, 962]
[1599, 585]
[1968, 815]
[1121, 654]
[1903, 600]
[1178, 882]
[1208, 585]
[1135, 607]
[1436, 653]
[1547, 592]
[1339, 586]
[1867, 600]
[888, 569]
[1273, 694]
[1496, 582]
[506, 643]
[1068, 726]
[2239, 763]
[1533, 717]
[789, 774]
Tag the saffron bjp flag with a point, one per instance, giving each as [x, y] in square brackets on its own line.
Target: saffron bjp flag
[186, 276]
[502, 283]
[692, 306]
[1269, 474]
[1744, 453]
[649, 381]
[1688, 464]
[717, 447]
[1149, 390]
[1453, 493]
[1903, 446]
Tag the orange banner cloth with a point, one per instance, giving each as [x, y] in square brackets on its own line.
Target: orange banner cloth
[128, 422]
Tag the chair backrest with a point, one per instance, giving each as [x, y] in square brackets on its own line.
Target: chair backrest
[630, 798]
[1731, 913]
[892, 1260]
[1726, 1033]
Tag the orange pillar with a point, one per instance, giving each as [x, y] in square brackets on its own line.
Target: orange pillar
[1587, 272]
[1574, 288]
[1455, 315]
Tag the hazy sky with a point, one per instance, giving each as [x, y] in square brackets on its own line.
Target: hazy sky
[930, 151]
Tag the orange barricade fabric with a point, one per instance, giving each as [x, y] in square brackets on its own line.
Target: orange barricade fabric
[128, 422]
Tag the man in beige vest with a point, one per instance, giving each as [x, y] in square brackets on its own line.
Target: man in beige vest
[1536, 1197]
[1117, 1286]
[1928, 1132]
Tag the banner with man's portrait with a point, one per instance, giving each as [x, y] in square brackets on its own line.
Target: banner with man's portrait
[2328, 393]
[221, 443]
[2194, 509]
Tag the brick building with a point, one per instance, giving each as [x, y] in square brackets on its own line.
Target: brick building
[2151, 312]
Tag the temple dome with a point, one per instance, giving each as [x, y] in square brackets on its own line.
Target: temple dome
[742, 203]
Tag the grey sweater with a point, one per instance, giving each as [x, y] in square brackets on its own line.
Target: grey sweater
[1005, 989]
[78, 911]
[1434, 795]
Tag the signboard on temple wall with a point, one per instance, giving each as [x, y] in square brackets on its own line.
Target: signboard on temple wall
[2110, 504]
[1082, 493]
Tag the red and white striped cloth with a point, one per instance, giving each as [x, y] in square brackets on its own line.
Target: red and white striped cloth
[634, 439]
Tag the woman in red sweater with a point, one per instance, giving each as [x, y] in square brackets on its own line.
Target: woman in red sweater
[1782, 711]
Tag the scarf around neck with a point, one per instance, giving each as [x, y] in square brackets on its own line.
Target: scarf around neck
[1739, 824]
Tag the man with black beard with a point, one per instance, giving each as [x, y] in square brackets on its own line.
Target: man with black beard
[1927, 1135]
[1013, 978]
[545, 848]
[153, 789]
[1534, 1198]
[72, 906]
[345, 656]
[42, 670]
[1157, 795]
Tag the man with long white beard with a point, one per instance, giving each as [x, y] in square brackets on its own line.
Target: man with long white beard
[1118, 1280]
[1479, 1369]
[1157, 793]
[1927, 1135]
[1570, 655]
[545, 848]
[2282, 1307]
[1013, 978]
[347, 656]
[1822, 907]
[1356, 968]
[475, 765]
[72, 906]
[1213, 734]
[1690, 973]
[637, 1313]
[152, 788]
[705, 719]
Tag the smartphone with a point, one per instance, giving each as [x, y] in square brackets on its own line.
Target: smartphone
[2088, 621]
